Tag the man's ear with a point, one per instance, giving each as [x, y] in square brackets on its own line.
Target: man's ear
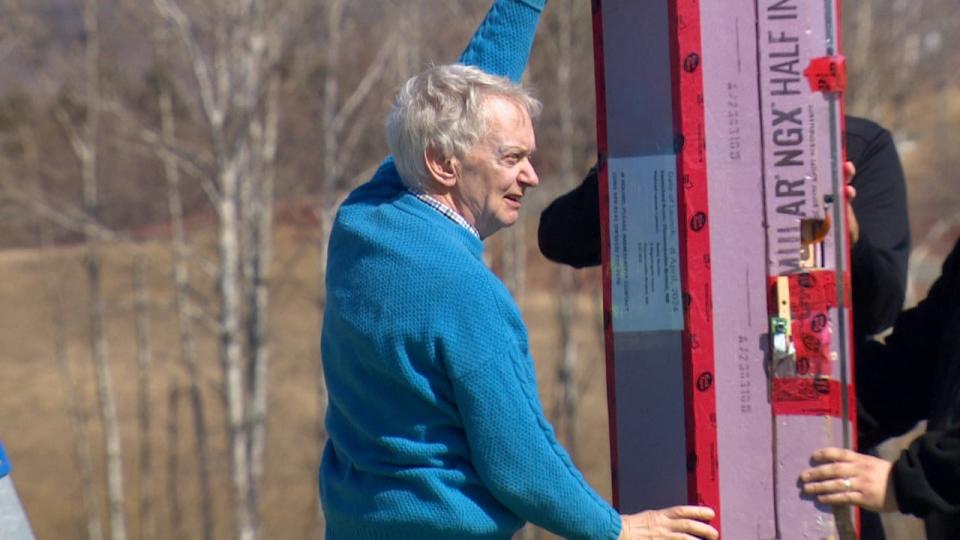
[442, 169]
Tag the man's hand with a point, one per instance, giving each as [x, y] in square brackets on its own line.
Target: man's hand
[676, 522]
[848, 478]
[851, 192]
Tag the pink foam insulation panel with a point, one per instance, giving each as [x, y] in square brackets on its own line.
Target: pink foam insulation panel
[725, 257]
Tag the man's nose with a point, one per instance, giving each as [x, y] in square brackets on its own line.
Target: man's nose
[529, 176]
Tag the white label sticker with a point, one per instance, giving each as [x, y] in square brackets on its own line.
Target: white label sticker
[644, 251]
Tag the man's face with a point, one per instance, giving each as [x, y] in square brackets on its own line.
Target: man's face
[497, 171]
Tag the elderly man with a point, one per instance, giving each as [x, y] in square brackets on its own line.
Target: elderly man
[436, 430]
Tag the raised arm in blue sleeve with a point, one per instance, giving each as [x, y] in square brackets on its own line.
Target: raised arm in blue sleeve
[501, 45]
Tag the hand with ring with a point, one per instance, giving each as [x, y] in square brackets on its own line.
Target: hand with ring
[844, 477]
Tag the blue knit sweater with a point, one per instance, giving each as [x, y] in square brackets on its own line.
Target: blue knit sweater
[436, 429]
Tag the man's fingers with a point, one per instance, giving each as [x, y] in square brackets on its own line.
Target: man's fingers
[845, 498]
[690, 520]
[829, 471]
[701, 513]
[698, 529]
[829, 486]
[848, 171]
[833, 454]
[681, 522]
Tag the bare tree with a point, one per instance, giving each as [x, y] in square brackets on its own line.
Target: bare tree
[567, 295]
[144, 409]
[877, 86]
[175, 501]
[897, 51]
[85, 145]
[341, 131]
[259, 231]
[184, 306]
[17, 27]
[238, 81]
[76, 412]
[75, 409]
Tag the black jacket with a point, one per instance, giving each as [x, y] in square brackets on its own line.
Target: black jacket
[569, 231]
[915, 376]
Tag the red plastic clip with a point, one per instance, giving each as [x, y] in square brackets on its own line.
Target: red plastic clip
[827, 74]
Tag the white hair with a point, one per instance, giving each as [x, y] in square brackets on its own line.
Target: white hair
[442, 109]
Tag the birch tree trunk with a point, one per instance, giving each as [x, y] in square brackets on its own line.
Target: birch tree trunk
[174, 501]
[513, 254]
[85, 147]
[76, 412]
[341, 130]
[567, 296]
[144, 409]
[183, 304]
[328, 115]
[331, 97]
[75, 409]
[261, 225]
[231, 346]
[228, 79]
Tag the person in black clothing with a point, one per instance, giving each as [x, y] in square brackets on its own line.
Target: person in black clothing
[914, 375]
[881, 251]
[569, 233]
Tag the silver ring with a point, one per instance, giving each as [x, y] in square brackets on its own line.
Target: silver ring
[847, 484]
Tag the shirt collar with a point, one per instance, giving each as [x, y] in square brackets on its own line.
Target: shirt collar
[445, 210]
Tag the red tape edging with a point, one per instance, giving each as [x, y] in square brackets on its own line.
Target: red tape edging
[808, 396]
[694, 227]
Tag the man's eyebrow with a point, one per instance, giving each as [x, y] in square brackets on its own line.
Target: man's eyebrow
[516, 148]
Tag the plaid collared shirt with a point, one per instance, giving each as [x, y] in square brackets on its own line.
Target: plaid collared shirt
[445, 210]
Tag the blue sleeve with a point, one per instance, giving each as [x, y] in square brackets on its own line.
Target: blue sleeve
[4, 462]
[513, 448]
[501, 45]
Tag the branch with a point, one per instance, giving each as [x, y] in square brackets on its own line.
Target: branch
[360, 93]
[184, 161]
[171, 11]
[70, 218]
[80, 147]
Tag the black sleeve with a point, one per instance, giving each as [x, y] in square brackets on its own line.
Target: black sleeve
[894, 379]
[880, 256]
[927, 475]
[569, 230]
[897, 381]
